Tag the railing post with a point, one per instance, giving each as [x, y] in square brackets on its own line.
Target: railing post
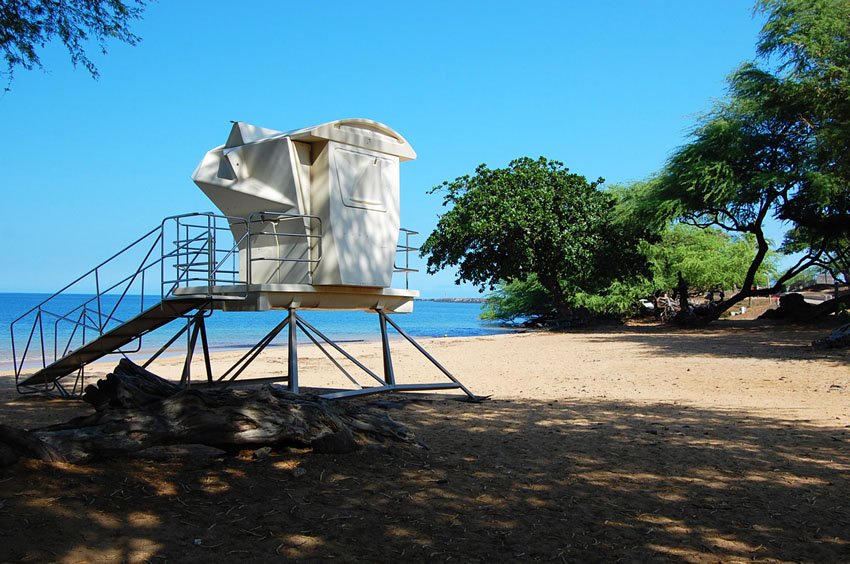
[56, 338]
[407, 260]
[85, 319]
[248, 259]
[41, 337]
[14, 353]
[99, 307]
[162, 261]
[210, 254]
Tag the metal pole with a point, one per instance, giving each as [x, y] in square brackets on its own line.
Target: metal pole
[340, 350]
[407, 260]
[389, 375]
[254, 352]
[204, 345]
[190, 351]
[210, 254]
[293, 352]
[41, 336]
[164, 347]
[99, 308]
[327, 354]
[431, 358]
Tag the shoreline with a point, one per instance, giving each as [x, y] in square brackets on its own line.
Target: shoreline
[752, 368]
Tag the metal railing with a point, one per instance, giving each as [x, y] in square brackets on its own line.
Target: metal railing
[405, 248]
[189, 255]
[199, 251]
[196, 251]
[310, 223]
[76, 315]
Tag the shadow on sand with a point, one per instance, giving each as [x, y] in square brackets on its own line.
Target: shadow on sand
[503, 480]
[739, 339]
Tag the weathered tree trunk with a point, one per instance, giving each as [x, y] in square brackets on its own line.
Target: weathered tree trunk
[794, 308]
[838, 339]
[137, 410]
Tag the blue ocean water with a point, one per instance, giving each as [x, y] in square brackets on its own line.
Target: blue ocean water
[226, 330]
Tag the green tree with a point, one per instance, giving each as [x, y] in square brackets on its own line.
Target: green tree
[777, 146]
[533, 217]
[709, 259]
[520, 298]
[809, 42]
[27, 25]
[528, 299]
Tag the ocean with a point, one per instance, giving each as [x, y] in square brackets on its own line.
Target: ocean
[229, 330]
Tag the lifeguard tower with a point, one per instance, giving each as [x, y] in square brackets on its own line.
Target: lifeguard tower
[310, 219]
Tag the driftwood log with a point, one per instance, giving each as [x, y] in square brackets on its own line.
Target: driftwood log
[135, 410]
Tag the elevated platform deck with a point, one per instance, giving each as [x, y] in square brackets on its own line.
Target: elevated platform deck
[264, 297]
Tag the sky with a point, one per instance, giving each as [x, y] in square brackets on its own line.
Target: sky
[610, 88]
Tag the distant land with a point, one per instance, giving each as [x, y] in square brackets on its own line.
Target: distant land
[454, 300]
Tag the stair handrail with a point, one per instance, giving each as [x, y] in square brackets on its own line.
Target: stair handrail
[313, 241]
[91, 315]
[40, 308]
[405, 248]
[101, 317]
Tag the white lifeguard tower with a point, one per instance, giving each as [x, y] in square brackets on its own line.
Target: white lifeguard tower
[310, 219]
[322, 210]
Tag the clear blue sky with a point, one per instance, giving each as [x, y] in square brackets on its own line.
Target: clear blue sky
[609, 88]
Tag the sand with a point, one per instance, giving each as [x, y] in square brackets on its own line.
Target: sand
[639, 443]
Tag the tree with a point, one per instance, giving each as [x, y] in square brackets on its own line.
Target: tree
[709, 259]
[809, 40]
[518, 299]
[27, 25]
[777, 146]
[533, 217]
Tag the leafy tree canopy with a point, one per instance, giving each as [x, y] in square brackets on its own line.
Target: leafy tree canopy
[777, 146]
[809, 43]
[27, 25]
[709, 259]
[533, 217]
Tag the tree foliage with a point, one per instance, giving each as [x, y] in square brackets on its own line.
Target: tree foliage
[518, 299]
[528, 300]
[777, 146]
[809, 41]
[533, 217]
[547, 241]
[709, 259]
[28, 25]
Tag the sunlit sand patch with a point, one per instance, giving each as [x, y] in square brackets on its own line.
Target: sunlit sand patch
[214, 484]
[143, 519]
[298, 545]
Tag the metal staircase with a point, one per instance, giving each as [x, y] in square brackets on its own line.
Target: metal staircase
[114, 339]
[75, 327]
[192, 261]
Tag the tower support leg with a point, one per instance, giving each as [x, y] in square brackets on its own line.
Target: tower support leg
[389, 373]
[427, 355]
[198, 329]
[293, 351]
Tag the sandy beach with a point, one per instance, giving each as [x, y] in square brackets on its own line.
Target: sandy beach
[636, 443]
